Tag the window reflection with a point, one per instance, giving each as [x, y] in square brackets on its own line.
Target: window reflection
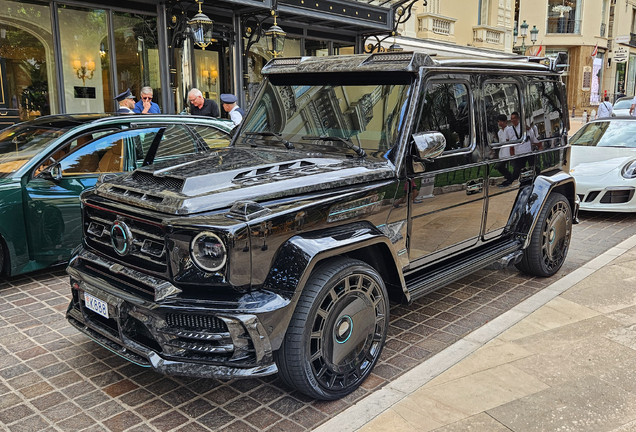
[27, 68]
[137, 54]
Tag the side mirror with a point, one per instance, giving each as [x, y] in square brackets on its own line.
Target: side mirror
[52, 172]
[428, 145]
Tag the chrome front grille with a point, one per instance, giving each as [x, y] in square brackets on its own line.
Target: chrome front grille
[147, 246]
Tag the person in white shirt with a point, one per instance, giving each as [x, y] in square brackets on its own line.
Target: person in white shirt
[229, 105]
[502, 134]
[605, 109]
[632, 109]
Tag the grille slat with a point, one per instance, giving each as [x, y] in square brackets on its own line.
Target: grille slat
[196, 322]
[142, 231]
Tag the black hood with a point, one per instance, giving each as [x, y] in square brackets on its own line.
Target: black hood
[213, 181]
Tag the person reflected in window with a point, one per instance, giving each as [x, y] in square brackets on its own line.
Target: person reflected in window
[145, 105]
[201, 106]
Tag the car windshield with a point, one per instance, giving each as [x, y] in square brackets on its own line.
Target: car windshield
[623, 104]
[19, 143]
[616, 133]
[329, 113]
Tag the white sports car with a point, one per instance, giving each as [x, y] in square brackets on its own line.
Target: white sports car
[603, 163]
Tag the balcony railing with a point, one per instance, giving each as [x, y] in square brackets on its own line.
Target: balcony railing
[434, 26]
[489, 37]
[563, 26]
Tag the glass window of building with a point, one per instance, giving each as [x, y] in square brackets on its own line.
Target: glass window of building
[85, 64]
[343, 49]
[27, 65]
[136, 54]
[317, 48]
[564, 16]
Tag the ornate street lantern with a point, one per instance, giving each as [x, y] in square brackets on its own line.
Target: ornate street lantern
[275, 38]
[533, 34]
[201, 27]
[524, 29]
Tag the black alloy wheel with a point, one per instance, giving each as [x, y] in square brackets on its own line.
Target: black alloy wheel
[337, 332]
[550, 239]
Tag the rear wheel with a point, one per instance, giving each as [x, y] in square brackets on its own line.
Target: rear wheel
[337, 332]
[550, 239]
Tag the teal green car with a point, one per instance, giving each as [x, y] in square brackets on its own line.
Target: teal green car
[45, 165]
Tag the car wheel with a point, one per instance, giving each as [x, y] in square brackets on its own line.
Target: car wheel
[550, 238]
[2, 254]
[337, 331]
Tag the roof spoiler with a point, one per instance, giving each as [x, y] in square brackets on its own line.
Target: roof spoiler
[556, 64]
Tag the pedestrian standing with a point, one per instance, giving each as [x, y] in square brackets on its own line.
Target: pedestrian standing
[126, 102]
[201, 106]
[145, 105]
[229, 105]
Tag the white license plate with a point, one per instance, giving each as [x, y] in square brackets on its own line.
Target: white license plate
[96, 305]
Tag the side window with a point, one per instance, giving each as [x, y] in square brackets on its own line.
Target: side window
[447, 110]
[214, 138]
[503, 108]
[546, 116]
[72, 145]
[176, 141]
[105, 154]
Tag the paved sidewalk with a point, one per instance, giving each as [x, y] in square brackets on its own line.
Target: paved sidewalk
[562, 360]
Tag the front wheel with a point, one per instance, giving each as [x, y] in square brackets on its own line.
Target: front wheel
[337, 332]
[550, 239]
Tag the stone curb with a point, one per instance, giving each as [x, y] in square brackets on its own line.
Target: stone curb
[379, 401]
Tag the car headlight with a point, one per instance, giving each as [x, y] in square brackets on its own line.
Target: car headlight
[208, 252]
[629, 170]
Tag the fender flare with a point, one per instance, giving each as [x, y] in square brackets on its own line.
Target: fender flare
[299, 256]
[531, 201]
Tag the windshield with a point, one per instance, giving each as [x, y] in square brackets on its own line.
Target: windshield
[330, 113]
[617, 133]
[19, 143]
[623, 104]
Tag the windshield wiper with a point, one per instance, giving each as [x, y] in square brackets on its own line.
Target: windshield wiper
[276, 135]
[360, 152]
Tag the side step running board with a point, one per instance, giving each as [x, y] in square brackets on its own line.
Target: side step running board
[428, 282]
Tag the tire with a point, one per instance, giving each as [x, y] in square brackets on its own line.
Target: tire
[2, 252]
[550, 238]
[337, 331]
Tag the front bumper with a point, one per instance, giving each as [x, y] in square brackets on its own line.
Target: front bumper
[173, 336]
[611, 198]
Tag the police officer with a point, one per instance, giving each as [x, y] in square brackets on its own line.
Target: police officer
[230, 106]
[126, 102]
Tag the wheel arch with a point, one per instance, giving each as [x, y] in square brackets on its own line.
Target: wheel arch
[532, 200]
[300, 255]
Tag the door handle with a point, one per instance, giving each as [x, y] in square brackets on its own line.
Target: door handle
[526, 174]
[474, 186]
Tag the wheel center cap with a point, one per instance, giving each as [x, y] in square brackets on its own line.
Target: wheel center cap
[343, 329]
[552, 235]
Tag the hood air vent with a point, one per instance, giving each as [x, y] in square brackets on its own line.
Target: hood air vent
[146, 179]
[273, 169]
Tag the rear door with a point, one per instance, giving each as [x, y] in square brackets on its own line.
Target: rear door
[447, 199]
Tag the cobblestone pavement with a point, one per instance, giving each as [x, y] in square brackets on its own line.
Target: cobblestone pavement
[54, 378]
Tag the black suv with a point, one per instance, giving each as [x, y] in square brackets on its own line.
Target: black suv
[352, 181]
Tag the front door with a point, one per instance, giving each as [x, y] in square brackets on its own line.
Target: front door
[447, 199]
[54, 224]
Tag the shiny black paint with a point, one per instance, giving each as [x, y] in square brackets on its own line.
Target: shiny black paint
[317, 207]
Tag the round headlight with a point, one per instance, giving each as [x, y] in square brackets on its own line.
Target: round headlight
[629, 170]
[208, 252]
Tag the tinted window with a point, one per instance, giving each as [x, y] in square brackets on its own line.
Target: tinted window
[447, 110]
[545, 110]
[176, 141]
[619, 133]
[212, 137]
[502, 100]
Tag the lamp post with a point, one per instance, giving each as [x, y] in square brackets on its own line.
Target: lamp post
[533, 34]
[523, 33]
